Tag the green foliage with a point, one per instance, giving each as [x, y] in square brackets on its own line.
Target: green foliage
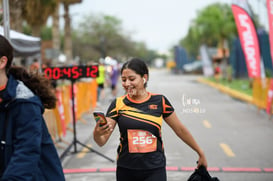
[215, 22]
[191, 42]
[26, 29]
[102, 35]
[46, 33]
[212, 26]
[241, 85]
[268, 73]
[36, 13]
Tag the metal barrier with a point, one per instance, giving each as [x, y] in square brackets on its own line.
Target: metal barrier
[58, 119]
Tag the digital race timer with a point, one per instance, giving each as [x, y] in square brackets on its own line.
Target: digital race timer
[71, 72]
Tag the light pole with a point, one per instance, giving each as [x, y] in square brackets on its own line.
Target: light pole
[6, 18]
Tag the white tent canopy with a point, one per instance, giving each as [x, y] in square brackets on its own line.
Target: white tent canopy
[24, 45]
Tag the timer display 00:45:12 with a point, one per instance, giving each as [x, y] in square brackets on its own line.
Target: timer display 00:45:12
[71, 72]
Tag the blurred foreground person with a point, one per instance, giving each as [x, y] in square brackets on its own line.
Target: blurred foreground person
[139, 115]
[27, 152]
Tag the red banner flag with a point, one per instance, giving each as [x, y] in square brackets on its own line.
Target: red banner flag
[270, 21]
[269, 97]
[249, 40]
[269, 4]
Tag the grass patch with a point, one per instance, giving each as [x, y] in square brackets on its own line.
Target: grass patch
[241, 85]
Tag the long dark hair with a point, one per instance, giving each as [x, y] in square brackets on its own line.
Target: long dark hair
[35, 81]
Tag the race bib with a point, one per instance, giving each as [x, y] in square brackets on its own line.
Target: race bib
[141, 141]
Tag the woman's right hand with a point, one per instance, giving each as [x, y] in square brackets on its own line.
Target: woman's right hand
[101, 134]
[102, 130]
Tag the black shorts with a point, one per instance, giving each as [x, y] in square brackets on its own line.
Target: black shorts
[125, 174]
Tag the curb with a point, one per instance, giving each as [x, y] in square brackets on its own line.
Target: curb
[227, 90]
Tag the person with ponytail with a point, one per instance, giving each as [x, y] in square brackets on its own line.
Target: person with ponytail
[139, 115]
[27, 151]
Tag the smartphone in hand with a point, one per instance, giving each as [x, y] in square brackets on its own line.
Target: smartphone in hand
[99, 116]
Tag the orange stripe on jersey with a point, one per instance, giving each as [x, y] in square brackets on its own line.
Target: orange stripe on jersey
[141, 120]
[141, 101]
[165, 106]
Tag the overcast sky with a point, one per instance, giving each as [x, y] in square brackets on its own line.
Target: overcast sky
[158, 23]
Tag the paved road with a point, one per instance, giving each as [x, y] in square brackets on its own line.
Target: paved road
[236, 138]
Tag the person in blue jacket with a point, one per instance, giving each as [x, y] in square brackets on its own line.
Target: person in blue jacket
[27, 152]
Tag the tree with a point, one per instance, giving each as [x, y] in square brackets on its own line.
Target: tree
[46, 33]
[213, 26]
[16, 10]
[102, 35]
[55, 29]
[67, 28]
[216, 23]
[191, 42]
[36, 13]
